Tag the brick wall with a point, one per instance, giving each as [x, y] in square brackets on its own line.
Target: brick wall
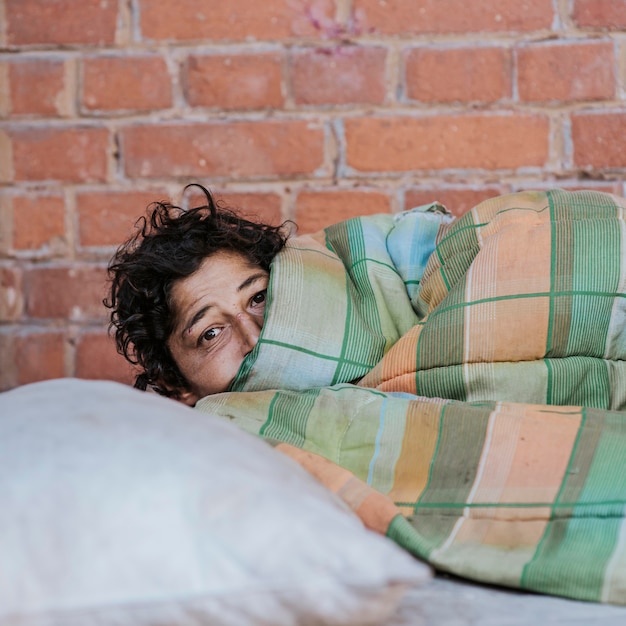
[313, 110]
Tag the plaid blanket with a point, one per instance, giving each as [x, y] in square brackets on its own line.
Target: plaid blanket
[472, 372]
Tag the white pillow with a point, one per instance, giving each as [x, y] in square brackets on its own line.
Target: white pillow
[122, 507]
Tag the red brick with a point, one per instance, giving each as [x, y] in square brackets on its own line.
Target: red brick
[59, 22]
[458, 74]
[318, 209]
[97, 358]
[5, 90]
[448, 141]
[73, 293]
[241, 81]
[236, 20]
[38, 87]
[234, 149]
[38, 220]
[39, 356]
[597, 139]
[7, 170]
[456, 200]
[452, 16]
[608, 14]
[11, 294]
[566, 71]
[67, 154]
[339, 75]
[258, 207]
[6, 224]
[128, 83]
[107, 218]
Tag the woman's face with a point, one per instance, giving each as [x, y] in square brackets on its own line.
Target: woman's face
[218, 318]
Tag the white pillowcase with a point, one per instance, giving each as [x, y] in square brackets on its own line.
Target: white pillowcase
[122, 507]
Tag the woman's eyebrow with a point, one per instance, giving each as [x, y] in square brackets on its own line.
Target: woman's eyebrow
[251, 279]
[194, 320]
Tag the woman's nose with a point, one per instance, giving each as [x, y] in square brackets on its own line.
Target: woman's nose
[250, 330]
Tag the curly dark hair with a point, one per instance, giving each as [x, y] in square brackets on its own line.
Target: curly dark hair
[170, 244]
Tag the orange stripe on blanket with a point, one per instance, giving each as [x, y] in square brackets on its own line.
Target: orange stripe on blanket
[373, 508]
[524, 462]
[539, 443]
[396, 370]
[418, 447]
[496, 327]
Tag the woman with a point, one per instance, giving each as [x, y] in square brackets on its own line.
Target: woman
[188, 296]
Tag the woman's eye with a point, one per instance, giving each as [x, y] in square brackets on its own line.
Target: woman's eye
[260, 297]
[210, 334]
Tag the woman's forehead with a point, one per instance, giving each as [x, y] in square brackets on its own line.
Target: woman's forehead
[221, 275]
